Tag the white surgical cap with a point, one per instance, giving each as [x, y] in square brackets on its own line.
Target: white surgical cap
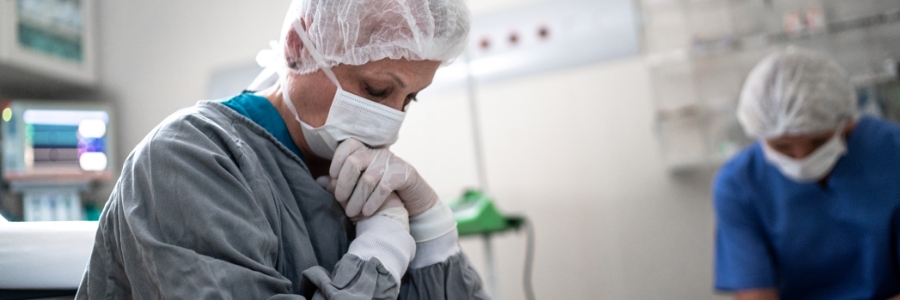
[795, 92]
[354, 32]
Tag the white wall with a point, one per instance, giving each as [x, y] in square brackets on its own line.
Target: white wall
[574, 150]
[157, 56]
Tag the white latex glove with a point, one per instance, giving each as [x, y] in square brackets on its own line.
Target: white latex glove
[363, 178]
[391, 208]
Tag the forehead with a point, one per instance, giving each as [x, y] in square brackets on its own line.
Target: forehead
[408, 70]
[797, 138]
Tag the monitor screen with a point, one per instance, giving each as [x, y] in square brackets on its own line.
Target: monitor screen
[51, 27]
[65, 139]
[50, 141]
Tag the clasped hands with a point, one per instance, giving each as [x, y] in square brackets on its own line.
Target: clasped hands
[368, 181]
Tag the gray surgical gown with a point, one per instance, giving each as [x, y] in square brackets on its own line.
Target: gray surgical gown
[211, 206]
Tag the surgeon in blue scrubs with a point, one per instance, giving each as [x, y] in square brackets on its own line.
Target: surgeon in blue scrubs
[812, 210]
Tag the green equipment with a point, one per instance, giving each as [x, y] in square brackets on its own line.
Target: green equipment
[476, 214]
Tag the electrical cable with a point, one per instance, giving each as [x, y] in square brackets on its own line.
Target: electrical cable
[529, 261]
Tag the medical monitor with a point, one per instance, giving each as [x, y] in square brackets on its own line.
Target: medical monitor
[47, 43]
[56, 141]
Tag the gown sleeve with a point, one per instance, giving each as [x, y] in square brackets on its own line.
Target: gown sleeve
[183, 223]
[451, 277]
[743, 259]
[439, 270]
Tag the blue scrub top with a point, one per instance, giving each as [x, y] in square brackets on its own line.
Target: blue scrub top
[839, 241]
[259, 110]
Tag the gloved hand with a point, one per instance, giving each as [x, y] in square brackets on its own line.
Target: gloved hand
[362, 179]
[391, 208]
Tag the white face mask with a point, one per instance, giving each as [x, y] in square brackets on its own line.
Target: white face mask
[350, 116]
[815, 166]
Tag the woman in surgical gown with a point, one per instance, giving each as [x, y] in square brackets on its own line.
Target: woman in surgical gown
[220, 201]
[811, 211]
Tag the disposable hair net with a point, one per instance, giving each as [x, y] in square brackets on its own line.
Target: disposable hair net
[355, 32]
[795, 92]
